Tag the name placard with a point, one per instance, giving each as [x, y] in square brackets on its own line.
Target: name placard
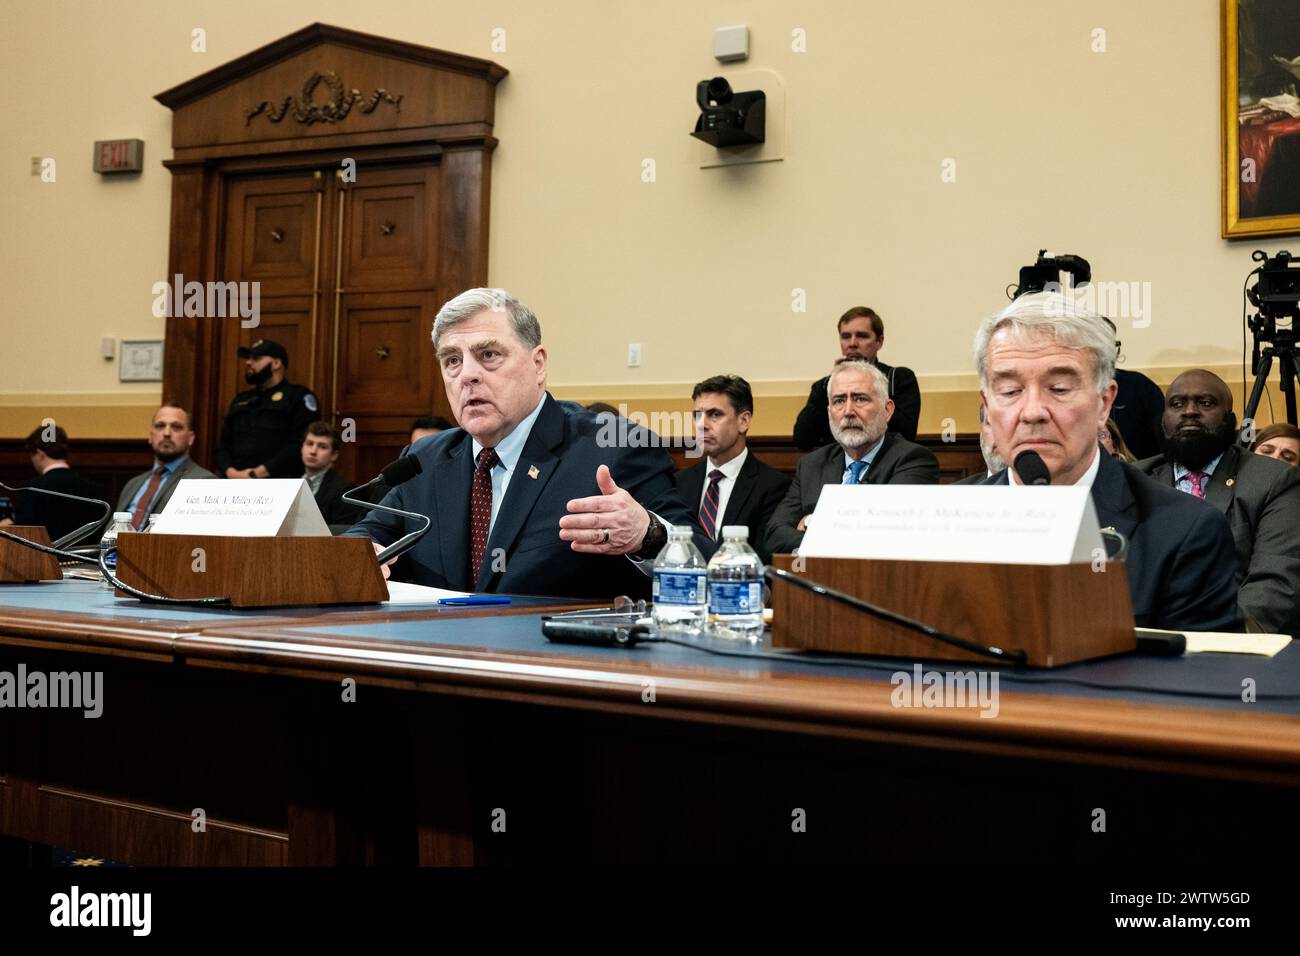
[984, 524]
[267, 507]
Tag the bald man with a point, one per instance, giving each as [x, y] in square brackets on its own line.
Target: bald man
[1259, 496]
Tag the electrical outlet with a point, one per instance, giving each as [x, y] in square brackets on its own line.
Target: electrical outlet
[633, 354]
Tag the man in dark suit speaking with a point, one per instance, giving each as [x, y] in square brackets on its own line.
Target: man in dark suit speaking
[1046, 371]
[529, 495]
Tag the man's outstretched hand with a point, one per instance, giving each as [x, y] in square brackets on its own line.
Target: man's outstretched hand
[611, 522]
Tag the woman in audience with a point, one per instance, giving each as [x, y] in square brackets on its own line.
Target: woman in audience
[1280, 441]
[1113, 442]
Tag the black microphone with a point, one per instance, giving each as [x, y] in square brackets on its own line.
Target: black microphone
[1031, 469]
[402, 470]
[72, 537]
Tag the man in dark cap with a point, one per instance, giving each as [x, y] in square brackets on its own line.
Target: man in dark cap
[263, 431]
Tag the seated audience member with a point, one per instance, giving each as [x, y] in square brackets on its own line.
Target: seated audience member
[47, 447]
[320, 450]
[864, 453]
[1259, 496]
[428, 425]
[1280, 441]
[170, 437]
[602, 408]
[993, 462]
[1046, 371]
[526, 496]
[1139, 404]
[730, 486]
[862, 336]
[1113, 442]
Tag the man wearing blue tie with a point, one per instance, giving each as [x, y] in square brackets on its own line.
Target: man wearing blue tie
[864, 452]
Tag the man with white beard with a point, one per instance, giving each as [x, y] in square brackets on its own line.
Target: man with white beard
[864, 452]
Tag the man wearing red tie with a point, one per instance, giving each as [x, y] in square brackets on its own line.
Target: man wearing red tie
[730, 486]
[147, 493]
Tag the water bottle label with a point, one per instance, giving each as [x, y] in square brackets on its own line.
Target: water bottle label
[110, 559]
[679, 587]
[736, 597]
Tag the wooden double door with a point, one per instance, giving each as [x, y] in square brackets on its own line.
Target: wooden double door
[346, 273]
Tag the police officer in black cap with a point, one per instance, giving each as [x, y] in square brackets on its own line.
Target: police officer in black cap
[262, 434]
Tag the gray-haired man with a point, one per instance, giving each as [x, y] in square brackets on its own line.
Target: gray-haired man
[523, 496]
[864, 452]
[1046, 371]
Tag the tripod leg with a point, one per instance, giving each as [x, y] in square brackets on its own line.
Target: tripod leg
[1261, 379]
[1289, 379]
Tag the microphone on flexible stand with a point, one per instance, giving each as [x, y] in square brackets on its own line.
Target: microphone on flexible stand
[72, 537]
[402, 470]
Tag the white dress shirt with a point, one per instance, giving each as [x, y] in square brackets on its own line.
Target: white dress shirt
[730, 472]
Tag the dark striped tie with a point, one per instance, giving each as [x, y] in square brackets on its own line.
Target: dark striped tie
[709, 507]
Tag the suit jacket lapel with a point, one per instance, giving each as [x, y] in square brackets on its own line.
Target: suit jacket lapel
[1112, 497]
[876, 470]
[832, 467]
[693, 480]
[1218, 492]
[1164, 473]
[740, 494]
[524, 489]
[453, 474]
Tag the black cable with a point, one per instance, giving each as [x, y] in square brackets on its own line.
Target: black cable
[46, 549]
[157, 598]
[997, 653]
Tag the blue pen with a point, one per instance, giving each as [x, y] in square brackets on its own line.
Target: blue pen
[475, 599]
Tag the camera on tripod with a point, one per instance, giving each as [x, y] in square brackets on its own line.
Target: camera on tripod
[1045, 273]
[1276, 296]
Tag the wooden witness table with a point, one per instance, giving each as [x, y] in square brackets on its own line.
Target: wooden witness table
[473, 740]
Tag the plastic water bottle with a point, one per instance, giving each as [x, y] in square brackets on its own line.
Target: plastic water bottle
[680, 584]
[108, 543]
[736, 587]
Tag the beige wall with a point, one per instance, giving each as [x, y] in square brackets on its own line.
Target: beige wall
[1113, 155]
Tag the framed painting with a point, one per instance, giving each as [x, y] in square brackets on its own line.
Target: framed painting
[1259, 65]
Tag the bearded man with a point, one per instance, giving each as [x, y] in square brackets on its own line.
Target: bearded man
[1259, 496]
[865, 452]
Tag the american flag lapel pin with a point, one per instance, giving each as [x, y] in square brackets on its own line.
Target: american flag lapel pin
[532, 471]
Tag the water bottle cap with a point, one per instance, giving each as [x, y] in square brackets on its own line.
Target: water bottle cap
[121, 516]
[735, 531]
[681, 531]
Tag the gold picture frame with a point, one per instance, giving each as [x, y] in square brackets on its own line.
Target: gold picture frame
[1260, 111]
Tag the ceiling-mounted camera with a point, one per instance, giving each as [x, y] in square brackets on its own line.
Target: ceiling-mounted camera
[728, 118]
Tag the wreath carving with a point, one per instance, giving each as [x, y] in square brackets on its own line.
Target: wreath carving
[334, 110]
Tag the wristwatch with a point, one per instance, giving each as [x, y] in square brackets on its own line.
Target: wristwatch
[655, 538]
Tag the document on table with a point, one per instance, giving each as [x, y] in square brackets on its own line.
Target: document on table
[1216, 642]
[399, 592]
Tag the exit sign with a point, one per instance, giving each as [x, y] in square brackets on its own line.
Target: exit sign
[119, 155]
